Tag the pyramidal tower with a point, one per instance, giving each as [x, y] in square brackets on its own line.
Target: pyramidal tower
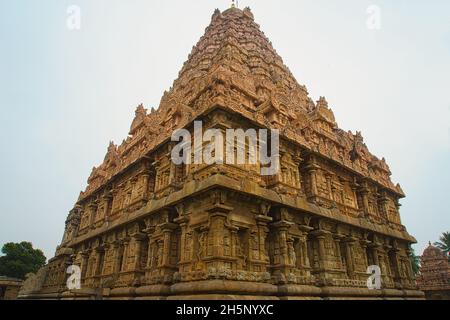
[147, 227]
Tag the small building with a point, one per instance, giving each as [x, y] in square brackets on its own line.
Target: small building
[9, 288]
[434, 278]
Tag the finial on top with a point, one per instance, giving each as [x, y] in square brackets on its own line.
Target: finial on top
[234, 4]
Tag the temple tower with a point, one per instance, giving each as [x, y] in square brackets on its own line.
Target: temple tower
[434, 278]
[148, 228]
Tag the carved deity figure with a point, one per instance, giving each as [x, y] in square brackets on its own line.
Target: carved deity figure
[188, 245]
[291, 252]
[201, 246]
[159, 254]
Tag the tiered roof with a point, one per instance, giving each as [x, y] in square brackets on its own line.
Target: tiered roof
[434, 271]
[234, 62]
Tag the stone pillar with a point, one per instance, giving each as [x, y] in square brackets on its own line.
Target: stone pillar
[395, 266]
[376, 259]
[305, 263]
[92, 261]
[354, 187]
[114, 206]
[263, 230]
[149, 263]
[106, 250]
[218, 215]
[149, 233]
[145, 185]
[126, 245]
[385, 265]
[298, 161]
[364, 192]
[217, 228]
[292, 255]
[234, 244]
[137, 240]
[323, 271]
[84, 263]
[107, 198]
[337, 240]
[162, 265]
[282, 264]
[329, 178]
[320, 236]
[116, 247]
[312, 170]
[167, 230]
[92, 207]
[172, 174]
[349, 243]
[305, 258]
[98, 261]
[185, 253]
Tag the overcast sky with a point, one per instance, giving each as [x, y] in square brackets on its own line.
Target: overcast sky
[64, 94]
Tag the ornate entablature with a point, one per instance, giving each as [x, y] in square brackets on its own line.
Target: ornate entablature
[146, 227]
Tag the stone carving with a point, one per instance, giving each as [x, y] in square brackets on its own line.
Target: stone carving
[201, 246]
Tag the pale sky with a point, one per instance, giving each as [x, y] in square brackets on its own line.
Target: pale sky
[65, 94]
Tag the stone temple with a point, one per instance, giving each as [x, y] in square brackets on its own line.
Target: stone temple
[146, 228]
[434, 278]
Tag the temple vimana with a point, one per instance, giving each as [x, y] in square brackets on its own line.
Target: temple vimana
[146, 228]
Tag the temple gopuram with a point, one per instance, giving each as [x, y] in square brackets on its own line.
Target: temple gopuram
[146, 228]
[434, 278]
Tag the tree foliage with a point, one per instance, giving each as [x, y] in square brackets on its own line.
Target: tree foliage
[415, 261]
[19, 259]
[444, 243]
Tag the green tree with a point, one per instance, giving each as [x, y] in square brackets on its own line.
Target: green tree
[444, 243]
[415, 261]
[19, 259]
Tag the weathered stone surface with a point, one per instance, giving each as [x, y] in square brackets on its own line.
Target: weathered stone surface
[146, 228]
[34, 282]
[9, 288]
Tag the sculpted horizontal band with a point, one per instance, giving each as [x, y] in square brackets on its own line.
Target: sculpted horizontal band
[249, 147]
